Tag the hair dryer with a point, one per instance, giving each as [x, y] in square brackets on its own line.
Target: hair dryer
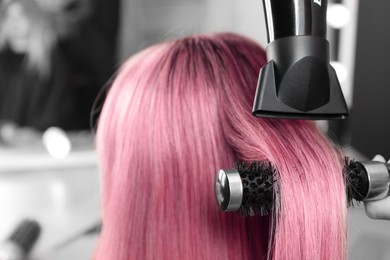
[298, 82]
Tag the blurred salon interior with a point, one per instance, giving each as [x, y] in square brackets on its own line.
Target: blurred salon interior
[57, 59]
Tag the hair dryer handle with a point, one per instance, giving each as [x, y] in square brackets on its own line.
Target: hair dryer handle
[295, 17]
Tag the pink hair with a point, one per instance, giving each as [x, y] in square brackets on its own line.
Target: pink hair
[175, 114]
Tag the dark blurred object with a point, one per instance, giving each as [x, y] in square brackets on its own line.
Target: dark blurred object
[91, 52]
[370, 124]
[34, 90]
[66, 14]
[21, 241]
[339, 131]
[29, 99]
[59, 87]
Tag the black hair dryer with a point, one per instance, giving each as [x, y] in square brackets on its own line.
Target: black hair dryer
[298, 81]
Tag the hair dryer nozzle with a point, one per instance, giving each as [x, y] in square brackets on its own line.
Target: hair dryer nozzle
[298, 82]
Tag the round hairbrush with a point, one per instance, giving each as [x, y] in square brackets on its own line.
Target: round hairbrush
[366, 181]
[250, 188]
[247, 189]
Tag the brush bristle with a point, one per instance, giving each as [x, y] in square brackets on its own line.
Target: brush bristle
[258, 179]
[259, 185]
[356, 181]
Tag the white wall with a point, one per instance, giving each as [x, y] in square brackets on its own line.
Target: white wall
[348, 49]
[145, 22]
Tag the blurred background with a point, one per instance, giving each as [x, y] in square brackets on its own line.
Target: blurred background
[56, 56]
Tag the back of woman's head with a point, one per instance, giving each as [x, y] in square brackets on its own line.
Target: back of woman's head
[176, 113]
